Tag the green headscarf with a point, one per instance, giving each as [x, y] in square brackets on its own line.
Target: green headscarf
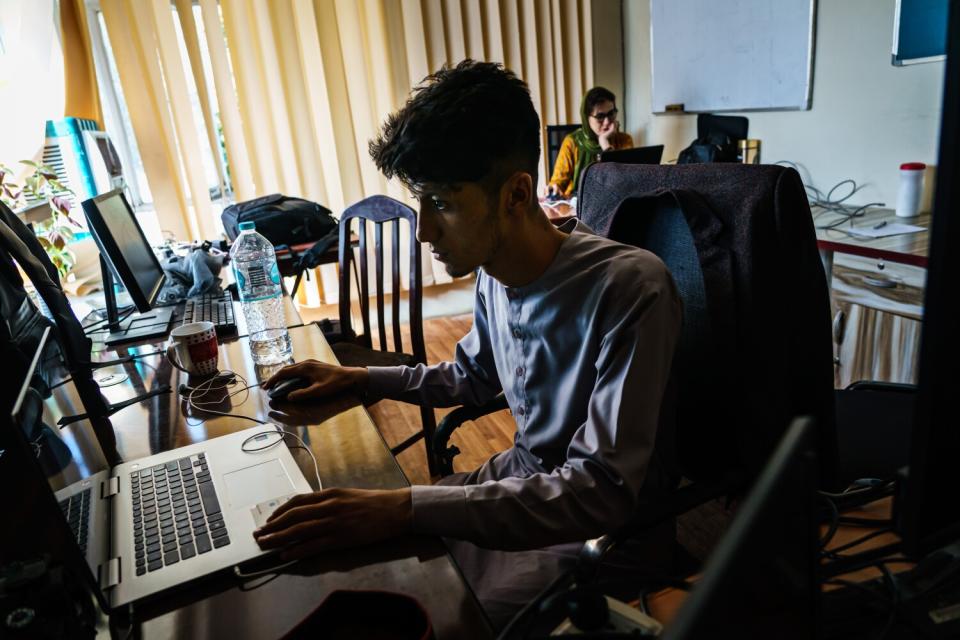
[588, 146]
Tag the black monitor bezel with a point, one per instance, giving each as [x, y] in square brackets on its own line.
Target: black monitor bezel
[110, 250]
[15, 439]
[929, 515]
[794, 457]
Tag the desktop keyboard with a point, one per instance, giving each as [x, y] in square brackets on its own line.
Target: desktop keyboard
[176, 513]
[76, 509]
[216, 308]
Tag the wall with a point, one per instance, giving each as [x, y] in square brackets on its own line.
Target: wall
[31, 78]
[867, 116]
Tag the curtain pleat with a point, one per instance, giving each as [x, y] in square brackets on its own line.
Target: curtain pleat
[191, 39]
[241, 173]
[299, 88]
[81, 98]
[201, 223]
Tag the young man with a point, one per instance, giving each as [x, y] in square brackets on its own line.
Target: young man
[576, 330]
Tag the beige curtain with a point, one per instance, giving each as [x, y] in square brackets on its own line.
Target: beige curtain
[301, 86]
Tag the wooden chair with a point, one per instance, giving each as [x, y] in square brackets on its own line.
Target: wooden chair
[357, 350]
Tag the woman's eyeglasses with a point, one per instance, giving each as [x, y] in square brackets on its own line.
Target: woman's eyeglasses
[609, 115]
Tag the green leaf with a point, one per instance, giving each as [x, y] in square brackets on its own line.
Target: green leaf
[59, 186]
[44, 243]
[30, 163]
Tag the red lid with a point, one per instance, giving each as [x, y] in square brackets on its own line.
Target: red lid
[913, 166]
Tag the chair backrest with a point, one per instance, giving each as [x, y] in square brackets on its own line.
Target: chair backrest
[755, 297]
[378, 210]
[555, 135]
[695, 448]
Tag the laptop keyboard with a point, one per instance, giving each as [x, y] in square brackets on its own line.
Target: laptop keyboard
[76, 509]
[176, 513]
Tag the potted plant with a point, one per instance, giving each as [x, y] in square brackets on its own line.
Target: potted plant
[56, 231]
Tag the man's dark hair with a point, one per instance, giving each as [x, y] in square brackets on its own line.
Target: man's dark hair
[595, 96]
[471, 123]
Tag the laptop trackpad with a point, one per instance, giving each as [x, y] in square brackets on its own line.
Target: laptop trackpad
[255, 484]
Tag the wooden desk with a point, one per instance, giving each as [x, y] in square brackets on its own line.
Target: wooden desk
[350, 453]
[911, 248]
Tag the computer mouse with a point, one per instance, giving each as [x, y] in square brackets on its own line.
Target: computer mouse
[283, 388]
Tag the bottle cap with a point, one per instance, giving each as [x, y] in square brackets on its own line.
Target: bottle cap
[913, 166]
[248, 226]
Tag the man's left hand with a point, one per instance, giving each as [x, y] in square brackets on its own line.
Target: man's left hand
[336, 519]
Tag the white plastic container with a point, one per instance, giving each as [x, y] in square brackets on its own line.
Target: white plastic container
[911, 187]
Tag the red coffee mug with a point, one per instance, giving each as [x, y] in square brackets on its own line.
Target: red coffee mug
[193, 349]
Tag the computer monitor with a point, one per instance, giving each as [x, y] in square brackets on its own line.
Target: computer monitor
[104, 161]
[125, 252]
[636, 155]
[761, 580]
[929, 514]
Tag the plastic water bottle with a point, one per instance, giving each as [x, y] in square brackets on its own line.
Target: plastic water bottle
[261, 296]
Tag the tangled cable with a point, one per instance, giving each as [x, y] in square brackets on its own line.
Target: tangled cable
[828, 203]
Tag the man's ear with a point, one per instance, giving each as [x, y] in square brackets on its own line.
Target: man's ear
[520, 192]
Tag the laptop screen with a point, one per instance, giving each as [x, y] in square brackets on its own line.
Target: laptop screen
[54, 487]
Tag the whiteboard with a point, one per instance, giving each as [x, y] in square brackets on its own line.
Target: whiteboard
[731, 55]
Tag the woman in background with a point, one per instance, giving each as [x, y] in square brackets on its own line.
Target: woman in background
[598, 132]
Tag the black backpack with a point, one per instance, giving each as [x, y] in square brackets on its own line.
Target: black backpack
[280, 219]
[20, 333]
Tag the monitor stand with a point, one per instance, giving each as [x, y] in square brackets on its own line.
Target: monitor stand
[136, 326]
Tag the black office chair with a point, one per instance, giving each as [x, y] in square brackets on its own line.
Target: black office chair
[555, 135]
[357, 350]
[755, 348]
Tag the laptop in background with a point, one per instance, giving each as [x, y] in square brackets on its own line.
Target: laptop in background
[155, 523]
[636, 155]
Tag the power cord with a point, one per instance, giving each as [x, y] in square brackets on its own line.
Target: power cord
[92, 328]
[281, 434]
[829, 203]
[222, 381]
[244, 446]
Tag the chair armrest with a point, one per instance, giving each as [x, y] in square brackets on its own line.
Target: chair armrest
[654, 508]
[451, 422]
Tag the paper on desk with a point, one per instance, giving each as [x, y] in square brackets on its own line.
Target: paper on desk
[890, 229]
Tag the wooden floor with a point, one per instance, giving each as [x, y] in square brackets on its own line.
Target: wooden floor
[477, 441]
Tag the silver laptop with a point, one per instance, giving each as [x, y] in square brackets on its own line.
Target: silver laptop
[149, 525]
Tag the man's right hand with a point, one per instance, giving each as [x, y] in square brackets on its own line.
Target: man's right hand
[325, 380]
